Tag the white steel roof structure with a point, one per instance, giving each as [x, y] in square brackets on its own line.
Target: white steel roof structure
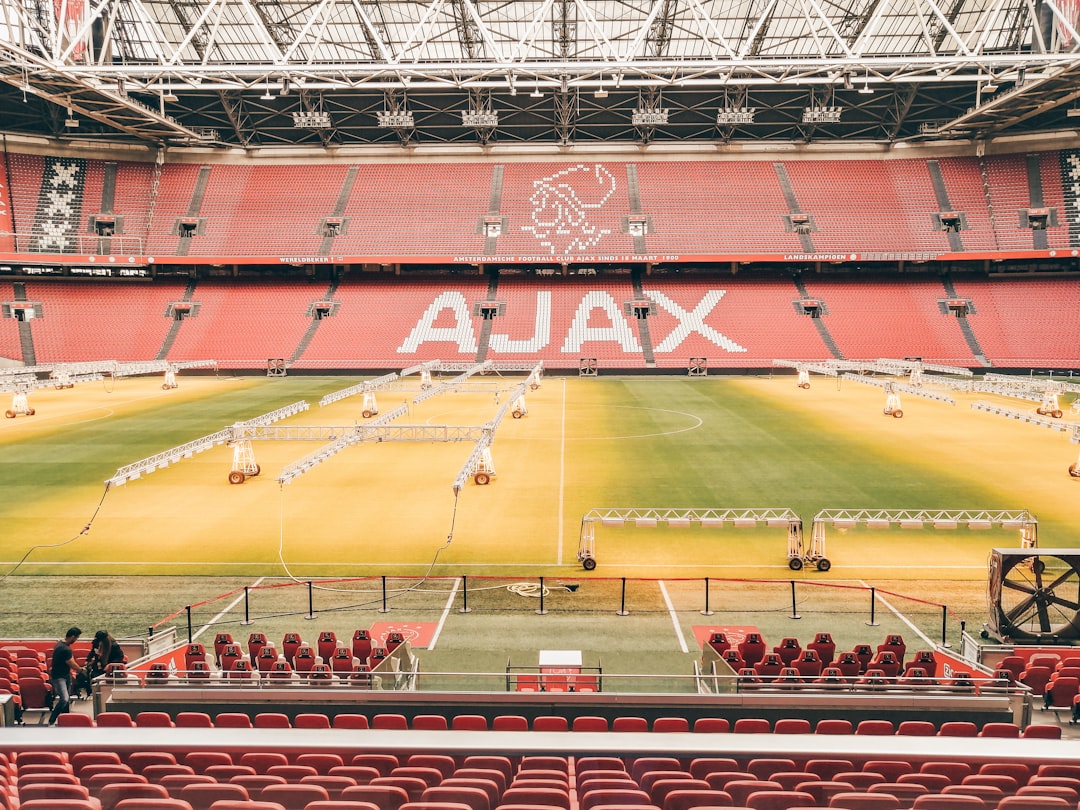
[257, 73]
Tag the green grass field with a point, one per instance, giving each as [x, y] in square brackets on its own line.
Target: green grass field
[184, 534]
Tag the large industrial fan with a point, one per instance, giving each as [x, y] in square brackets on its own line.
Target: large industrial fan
[1034, 594]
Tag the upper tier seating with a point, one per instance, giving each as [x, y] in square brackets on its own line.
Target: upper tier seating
[873, 208]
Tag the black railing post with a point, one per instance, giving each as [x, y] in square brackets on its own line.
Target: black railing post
[541, 611]
[464, 594]
[706, 611]
[794, 605]
[385, 608]
[622, 611]
[310, 601]
[190, 637]
[873, 602]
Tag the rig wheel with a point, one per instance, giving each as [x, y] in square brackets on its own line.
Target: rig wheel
[517, 414]
[11, 415]
[31, 412]
[589, 563]
[367, 414]
[482, 478]
[258, 470]
[795, 563]
[1074, 470]
[823, 564]
[1056, 414]
[804, 386]
[236, 477]
[898, 414]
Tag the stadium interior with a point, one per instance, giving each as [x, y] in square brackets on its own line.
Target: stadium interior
[689, 187]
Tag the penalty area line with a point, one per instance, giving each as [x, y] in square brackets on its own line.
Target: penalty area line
[674, 617]
[445, 613]
[224, 611]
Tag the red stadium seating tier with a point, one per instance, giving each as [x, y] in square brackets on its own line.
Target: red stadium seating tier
[174, 192]
[557, 209]
[88, 321]
[1007, 177]
[743, 322]
[241, 324]
[384, 323]
[402, 209]
[890, 317]
[868, 206]
[9, 329]
[1025, 322]
[25, 173]
[698, 207]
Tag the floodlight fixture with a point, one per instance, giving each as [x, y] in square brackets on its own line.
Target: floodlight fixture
[311, 120]
[866, 89]
[726, 116]
[285, 86]
[536, 93]
[600, 91]
[481, 119]
[649, 118]
[821, 115]
[71, 122]
[403, 119]
[267, 95]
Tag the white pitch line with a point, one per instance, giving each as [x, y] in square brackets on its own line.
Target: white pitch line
[674, 617]
[222, 613]
[446, 612]
[562, 476]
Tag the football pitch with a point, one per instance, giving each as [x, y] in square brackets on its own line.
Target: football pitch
[385, 518]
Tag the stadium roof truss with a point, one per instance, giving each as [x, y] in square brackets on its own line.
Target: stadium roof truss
[262, 73]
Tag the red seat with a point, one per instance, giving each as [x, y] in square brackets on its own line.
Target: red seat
[1035, 678]
[826, 769]
[809, 663]
[326, 644]
[221, 640]
[112, 719]
[272, 720]
[267, 658]
[311, 720]
[752, 648]
[712, 725]
[361, 644]
[385, 797]
[194, 652]
[689, 799]
[201, 795]
[894, 642]
[849, 664]
[742, 789]
[789, 649]
[256, 642]
[469, 722]
[824, 646]
[953, 801]
[262, 761]
[383, 763]
[294, 797]
[752, 725]
[154, 720]
[149, 803]
[834, 725]
[958, 728]
[792, 725]
[916, 728]
[290, 642]
[718, 641]
[390, 721]
[111, 795]
[925, 659]
[350, 721]
[232, 720]
[304, 658]
[779, 800]
[887, 662]
[430, 722]
[1007, 730]
[877, 728]
[1027, 803]
[662, 725]
[769, 666]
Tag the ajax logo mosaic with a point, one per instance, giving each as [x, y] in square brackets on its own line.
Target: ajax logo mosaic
[562, 204]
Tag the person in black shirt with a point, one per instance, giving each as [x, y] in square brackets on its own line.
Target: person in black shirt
[60, 674]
